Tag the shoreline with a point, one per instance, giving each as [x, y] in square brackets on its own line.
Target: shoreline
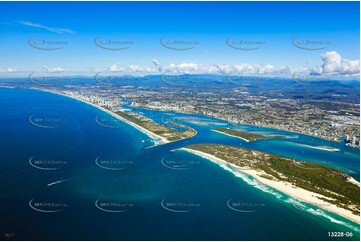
[285, 187]
[248, 124]
[324, 148]
[264, 126]
[230, 135]
[158, 140]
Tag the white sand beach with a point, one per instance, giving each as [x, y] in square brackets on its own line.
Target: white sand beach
[230, 135]
[287, 188]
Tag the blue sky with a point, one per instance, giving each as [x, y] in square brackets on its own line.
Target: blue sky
[274, 24]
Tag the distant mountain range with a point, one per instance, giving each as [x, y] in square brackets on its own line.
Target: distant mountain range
[345, 90]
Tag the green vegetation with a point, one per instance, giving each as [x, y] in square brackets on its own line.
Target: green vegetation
[155, 128]
[245, 135]
[330, 182]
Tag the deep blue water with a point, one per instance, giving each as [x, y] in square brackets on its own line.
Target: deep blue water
[96, 166]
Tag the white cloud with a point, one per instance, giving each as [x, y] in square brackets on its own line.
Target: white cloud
[131, 69]
[244, 69]
[116, 68]
[135, 68]
[8, 70]
[51, 29]
[350, 67]
[334, 64]
[193, 68]
[221, 69]
[247, 69]
[185, 68]
[316, 70]
[331, 62]
[284, 70]
[54, 69]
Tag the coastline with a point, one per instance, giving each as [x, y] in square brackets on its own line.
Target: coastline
[284, 187]
[230, 135]
[287, 188]
[249, 124]
[158, 140]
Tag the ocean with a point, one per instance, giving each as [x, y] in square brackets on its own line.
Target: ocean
[69, 171]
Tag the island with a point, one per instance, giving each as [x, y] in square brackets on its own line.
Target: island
[249, 137]
[322, 186]
[167, 134]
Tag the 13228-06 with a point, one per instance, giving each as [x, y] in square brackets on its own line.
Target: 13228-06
[340, 234]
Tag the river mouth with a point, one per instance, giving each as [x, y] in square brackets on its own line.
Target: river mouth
[133, 182]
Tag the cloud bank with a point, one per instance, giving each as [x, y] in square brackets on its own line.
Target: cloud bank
[332, 64]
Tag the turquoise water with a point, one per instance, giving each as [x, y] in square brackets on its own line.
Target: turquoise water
[71, 172]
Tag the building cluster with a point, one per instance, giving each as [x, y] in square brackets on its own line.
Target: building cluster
[325, 119]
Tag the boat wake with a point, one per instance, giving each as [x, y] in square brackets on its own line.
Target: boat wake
[57, 182]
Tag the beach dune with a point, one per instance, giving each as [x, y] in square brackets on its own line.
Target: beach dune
[285, 187]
